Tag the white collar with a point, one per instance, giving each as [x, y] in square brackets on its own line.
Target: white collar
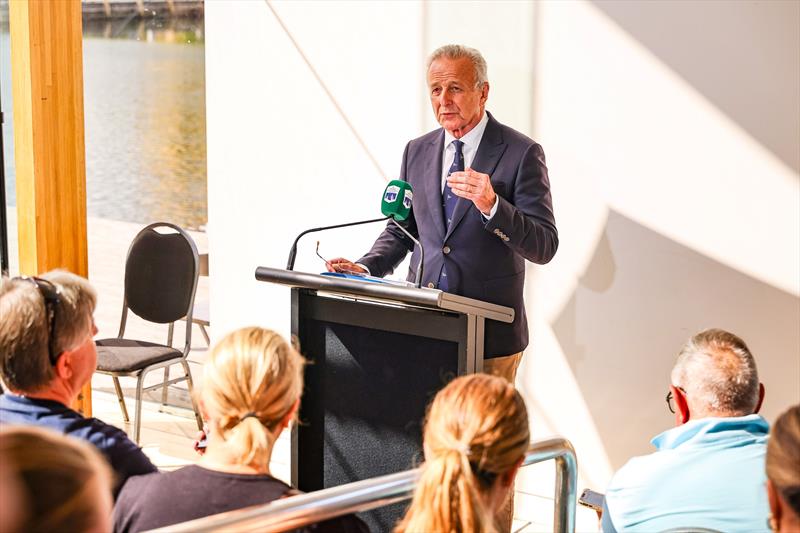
[473, 136]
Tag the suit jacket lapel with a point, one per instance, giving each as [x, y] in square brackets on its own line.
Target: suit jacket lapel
[432, 181]
[489, 152]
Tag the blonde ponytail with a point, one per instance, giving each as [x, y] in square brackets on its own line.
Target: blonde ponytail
[476, 430]
[252, 381]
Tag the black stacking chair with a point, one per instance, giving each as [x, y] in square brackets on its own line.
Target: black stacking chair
[201, 314]
[160, 281]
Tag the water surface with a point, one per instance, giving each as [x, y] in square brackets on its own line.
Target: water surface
[144, 109]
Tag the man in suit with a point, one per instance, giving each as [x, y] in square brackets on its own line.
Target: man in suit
[481, 207]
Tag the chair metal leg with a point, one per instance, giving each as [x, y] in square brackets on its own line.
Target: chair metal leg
[137, 418]
[205, 334]
[165, 387]
[190, 385]
[121, 399]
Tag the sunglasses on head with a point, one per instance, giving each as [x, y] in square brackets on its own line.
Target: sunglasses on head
[51, 299]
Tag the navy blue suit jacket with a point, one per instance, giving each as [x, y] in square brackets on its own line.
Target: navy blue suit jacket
[485, 260]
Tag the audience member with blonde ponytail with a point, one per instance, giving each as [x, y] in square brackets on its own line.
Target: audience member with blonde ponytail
[475, 439]
[252, 382]
[783, 472]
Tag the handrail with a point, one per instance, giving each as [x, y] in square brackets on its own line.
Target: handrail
[304, 509]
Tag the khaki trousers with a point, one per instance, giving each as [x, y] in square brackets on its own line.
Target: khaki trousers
[504, 367]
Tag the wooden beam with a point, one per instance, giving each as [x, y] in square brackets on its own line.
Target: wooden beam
[47, 82]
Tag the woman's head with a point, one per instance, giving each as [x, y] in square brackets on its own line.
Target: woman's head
[476, 434]
[64, 483]
[783, 469]
[252, 383]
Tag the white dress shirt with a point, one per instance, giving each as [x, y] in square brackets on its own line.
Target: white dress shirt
[471, 142]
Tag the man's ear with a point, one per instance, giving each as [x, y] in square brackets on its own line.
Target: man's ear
[63, 366]
[761, 392]
[682, 414]
[485, 92]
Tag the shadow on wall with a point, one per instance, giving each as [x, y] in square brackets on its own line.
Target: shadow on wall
[642, 296]
[742, 56]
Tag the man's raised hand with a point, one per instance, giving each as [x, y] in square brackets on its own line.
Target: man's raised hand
[474, 186]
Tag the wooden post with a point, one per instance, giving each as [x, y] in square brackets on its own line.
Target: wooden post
[47, 82]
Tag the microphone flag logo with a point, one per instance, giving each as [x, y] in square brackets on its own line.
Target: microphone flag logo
[407, 198]
[397, 199]
[390, 195]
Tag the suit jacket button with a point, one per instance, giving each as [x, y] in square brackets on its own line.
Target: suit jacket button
[430, 285]
[446, 250]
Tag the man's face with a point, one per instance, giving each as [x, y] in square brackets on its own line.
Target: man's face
[457, 103]
[84, 358]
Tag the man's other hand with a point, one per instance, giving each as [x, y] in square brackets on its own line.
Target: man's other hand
[473, 186]
[340, 264]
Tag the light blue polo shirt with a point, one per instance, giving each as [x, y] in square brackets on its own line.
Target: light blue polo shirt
[706, 473]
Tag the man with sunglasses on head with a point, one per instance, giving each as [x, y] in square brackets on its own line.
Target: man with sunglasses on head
[708, 471]
[47, 355]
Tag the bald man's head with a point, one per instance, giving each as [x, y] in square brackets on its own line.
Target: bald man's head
[718, 374]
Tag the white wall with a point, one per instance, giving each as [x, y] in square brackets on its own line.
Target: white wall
[672, 217]
[280, 158]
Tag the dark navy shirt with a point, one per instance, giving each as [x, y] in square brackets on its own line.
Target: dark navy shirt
[125, 457]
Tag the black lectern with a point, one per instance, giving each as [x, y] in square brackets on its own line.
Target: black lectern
[378, 353]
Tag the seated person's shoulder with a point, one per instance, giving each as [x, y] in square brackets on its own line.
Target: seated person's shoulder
[127, 508]
[126, 458]
[138, 485]
[101, 434]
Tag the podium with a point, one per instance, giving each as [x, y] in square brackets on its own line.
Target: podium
[378, 353]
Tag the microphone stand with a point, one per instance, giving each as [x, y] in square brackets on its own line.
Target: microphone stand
[293, 251]
[418, 281]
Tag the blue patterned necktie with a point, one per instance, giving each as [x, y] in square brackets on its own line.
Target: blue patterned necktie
[449, 201]
[448, 198]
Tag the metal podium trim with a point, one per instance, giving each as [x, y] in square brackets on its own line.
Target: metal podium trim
[431, 298]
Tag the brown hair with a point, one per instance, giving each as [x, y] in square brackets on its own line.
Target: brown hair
[476, 429]
[25, 364]
[783, 456]
[56, 473]
[252, 380]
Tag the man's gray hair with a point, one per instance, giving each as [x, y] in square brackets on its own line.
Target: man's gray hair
[457, 51]
[25, 364]
[718, 373]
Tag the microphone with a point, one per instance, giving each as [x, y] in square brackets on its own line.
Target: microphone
[396, 205]
[293, 250]
[396, 201]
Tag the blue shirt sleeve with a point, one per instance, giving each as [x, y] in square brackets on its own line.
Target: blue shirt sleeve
[124, 456]
[605, 523]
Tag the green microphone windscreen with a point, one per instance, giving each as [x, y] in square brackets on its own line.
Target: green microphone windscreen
[396, 202]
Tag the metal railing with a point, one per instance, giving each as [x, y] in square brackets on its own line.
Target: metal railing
[302, 510]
